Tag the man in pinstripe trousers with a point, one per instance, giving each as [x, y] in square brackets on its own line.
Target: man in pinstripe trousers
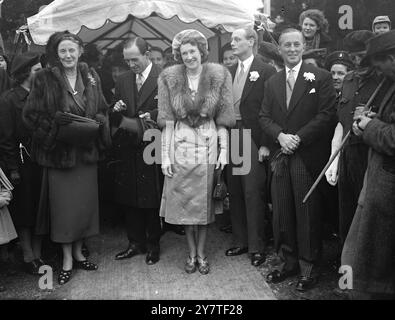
[298, 117]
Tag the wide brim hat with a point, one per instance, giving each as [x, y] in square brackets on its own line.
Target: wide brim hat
[188, 33]
[339, 57]
[319, 53]
[23, 61]
[378, 45]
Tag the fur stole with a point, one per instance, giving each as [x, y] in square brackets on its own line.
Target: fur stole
[214, 99]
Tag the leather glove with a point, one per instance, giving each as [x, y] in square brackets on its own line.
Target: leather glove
[15, 177]
[62, 119]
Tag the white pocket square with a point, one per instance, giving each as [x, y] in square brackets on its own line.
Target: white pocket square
[156, 97]
[312, 91]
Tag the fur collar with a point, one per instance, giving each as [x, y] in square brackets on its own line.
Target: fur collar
[208, 99]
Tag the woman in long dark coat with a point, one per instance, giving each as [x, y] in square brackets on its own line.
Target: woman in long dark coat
[15, 148]
[71, 164]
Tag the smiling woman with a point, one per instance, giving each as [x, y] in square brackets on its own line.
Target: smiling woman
[314, 28]
[195, 105]
[66, 91]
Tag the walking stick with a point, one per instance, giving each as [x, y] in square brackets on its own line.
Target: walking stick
[334, 155]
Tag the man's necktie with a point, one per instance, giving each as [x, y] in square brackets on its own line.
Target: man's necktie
[139, 81]
[290, 85]
[241, 72]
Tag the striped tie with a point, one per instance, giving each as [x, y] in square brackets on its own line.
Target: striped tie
[290, 85]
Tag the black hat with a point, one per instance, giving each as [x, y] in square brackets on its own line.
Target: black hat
[23, 61]
[339, 57]
[356, 41]
[379, 45]
[315, 53]
[270, 51]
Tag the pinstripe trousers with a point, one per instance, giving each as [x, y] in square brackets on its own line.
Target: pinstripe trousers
[296, 226]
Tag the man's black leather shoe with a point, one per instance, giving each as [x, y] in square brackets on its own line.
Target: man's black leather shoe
[257, 259]
[129, 253]
[277, 276]
[152, 257]
[306, 283]
[236, 251]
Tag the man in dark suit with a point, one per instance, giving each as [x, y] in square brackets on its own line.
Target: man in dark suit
[247, 189]
[137, 184]
[298, 117]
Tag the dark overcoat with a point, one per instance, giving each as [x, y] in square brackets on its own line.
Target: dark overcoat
[370, 244]
[136, 184]
[15, 150]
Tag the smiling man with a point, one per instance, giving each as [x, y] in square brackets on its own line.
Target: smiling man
[297, 115]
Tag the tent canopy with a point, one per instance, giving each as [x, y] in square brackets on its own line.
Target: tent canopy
[108, 22]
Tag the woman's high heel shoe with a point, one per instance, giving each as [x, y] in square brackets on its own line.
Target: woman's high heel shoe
[203, 266]
[64, 276]
[85, 265]
[190, 265]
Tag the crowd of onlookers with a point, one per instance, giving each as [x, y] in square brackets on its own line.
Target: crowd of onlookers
[54, 174]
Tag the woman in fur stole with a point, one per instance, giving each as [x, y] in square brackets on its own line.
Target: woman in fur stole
[195, 107]
[71, 165]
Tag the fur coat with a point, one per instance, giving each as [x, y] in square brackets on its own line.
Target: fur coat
[50, 94]
[214, 99]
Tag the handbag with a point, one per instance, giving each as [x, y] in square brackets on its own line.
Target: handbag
[80, 132]
[220, 188]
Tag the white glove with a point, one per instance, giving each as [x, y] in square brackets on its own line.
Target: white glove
[331, 173]
[222, 160]
[167, 135]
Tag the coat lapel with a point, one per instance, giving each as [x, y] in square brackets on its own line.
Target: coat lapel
[148, 87]
[386, 98]
[130, 94]
[280, 91]
[249, 84]
[299, 89]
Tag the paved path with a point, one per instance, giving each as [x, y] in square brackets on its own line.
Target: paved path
[230, 277]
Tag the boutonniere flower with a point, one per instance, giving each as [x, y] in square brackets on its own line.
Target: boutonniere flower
[91, 79]
[308, 76]
[254, 75]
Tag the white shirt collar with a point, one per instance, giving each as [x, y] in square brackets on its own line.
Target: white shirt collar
[296, 70]
[246, 63]
[146, 72]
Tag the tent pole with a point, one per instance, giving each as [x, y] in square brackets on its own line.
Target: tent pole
[119, 38]
[111, 30]
[156, 31]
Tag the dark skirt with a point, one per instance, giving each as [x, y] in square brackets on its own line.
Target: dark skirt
[26, 196]
[73, 203]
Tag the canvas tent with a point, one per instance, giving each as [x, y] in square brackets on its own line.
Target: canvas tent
[108, 22]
